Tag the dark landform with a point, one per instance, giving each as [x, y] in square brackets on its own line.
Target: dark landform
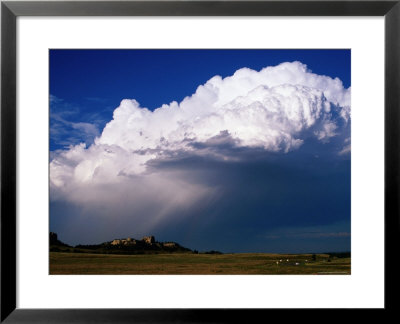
[147, 245]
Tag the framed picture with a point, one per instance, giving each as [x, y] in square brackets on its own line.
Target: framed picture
[189, 161]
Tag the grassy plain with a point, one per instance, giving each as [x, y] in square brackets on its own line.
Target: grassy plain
[187, 263]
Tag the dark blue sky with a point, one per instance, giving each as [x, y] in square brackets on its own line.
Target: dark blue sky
[294, 202]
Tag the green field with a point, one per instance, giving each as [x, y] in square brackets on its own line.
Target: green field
[188, 263]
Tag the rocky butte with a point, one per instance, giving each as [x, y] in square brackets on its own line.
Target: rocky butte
[129, 241]
[147, 245]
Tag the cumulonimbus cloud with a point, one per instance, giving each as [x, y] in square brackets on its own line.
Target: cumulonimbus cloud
[271, 109]
[276, 110]
[266, 109]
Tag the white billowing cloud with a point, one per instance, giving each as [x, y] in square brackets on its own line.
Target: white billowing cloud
[266, 109]
[269, 109]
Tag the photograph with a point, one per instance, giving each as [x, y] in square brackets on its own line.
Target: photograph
[199, 161]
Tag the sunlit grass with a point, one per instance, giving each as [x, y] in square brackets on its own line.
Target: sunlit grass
[241, 263]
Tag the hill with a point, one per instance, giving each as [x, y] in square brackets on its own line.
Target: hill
[147, 245]
[55, 242]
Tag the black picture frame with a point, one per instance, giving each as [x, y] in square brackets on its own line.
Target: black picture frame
[10, 10]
